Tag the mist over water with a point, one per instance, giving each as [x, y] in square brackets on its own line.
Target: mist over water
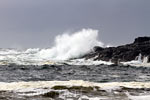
[71, 46]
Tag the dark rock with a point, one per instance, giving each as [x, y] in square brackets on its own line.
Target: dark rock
[77, 88]
[127, 52]
[97, 48]
[141, 39]
[72, 88]
[51, 94]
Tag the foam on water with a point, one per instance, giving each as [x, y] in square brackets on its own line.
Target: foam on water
[139, 62]
[87, 62]
[140, 97]
[66, 46]
[72, 46]
[91, 98]
[50, 84]
[42, 87]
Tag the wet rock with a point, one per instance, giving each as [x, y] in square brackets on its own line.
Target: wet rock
[128, 52]
[142, 39]
[51, 94]
[97, 49]
[77, 88]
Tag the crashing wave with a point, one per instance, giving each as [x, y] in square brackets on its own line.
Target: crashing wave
[66, 46]
[72, 46]
[79, 89]
[139, 62]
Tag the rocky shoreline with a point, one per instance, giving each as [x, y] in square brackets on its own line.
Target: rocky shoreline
[123, 53]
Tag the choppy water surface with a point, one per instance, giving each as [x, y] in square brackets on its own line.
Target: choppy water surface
[94, 73]
[11, 76]
[24, 74]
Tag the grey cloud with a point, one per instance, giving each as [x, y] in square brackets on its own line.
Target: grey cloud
[35, 23]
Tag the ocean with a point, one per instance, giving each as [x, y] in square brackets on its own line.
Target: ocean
[57, 73]
[24, 76]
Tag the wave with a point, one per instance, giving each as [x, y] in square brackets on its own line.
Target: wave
[80, 89]
[51, 84]
[139, 62]
[66, 46]
[72, 46]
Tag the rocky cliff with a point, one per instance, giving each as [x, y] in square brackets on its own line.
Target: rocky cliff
[128, 52]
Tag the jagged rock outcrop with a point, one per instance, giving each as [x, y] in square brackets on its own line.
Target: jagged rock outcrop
[127, 52]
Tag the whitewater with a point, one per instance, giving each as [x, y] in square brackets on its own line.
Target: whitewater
[60, 72]
[67, 46]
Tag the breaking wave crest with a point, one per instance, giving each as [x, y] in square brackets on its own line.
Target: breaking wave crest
[66, 46]
[77, 90]
[72, 46]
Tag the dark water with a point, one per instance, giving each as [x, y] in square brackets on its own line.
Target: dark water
[99, 73]
[93, 73]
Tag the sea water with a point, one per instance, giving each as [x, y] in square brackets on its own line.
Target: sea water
[53, 74]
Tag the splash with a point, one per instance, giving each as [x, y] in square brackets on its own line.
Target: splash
[72, 46]
[140, 58]
[145, 59]
[66, 46]
[139, 61]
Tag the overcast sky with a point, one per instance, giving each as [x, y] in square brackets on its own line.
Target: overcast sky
[35, 23]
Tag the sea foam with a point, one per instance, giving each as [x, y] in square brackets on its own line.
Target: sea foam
[72, 45]
[67, 46]
[140, 89]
